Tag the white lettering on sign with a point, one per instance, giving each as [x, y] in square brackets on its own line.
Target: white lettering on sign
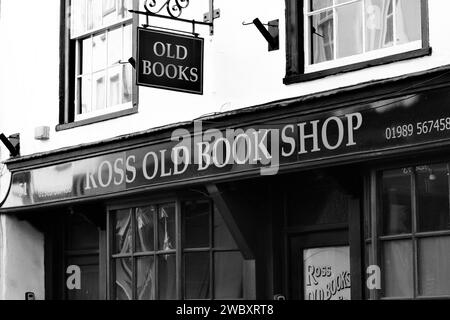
[327, 274]
[171, 71]
[216, 149]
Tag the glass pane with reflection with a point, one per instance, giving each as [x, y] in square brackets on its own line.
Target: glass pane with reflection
[396, 206]
[322, 37]
[197, 271]
[222, 235]
[145, 278]
[228, 275]
[398, 269]
[433, 198]
[434, 266]
[196, 216]
[320, 4]
[379, 24]
[123, 279]
[167, 227]
[167, 275]
[123, 232]
[145, 227]
[349, 30]
[408, 21]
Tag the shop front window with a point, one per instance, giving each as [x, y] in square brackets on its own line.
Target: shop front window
[413, 233]
[162, 253]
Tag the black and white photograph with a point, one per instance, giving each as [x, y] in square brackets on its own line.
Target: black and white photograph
[229, 156]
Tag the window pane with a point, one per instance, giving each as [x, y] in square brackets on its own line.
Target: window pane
[86, 64]
[166, 228]
[396, 202]
[349, 30]
[222, 236]
[109, 11]
[197, 276]
[127, 42]
[322, 37]
[87, 15]
[145, 237]
[123, 232]
[320, 4]
[81, 234]
[127, 83]
[408, 21]
[99, 52]
[434, 266]
[86, 90]
[228, 275]
[124, 6]
[398, 269]
[146, 278]
[167, 277]
[379, 24]
[124, 277]
[114, 86]
[196, 224]
[94, 14]
[99, 91]
[114, 46]
[433, 198]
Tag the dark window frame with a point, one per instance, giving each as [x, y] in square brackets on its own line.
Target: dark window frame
[374, 239]
[180, 252]
[67, 75]
[295, 57]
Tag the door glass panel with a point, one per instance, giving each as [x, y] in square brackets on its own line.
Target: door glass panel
[327, 274]
[222, 235]
[196, 224]
[197, 271]
[228, 275]
[89, 278]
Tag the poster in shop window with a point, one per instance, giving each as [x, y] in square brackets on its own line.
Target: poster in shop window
[327, 273]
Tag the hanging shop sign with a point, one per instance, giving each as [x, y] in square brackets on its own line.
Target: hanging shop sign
[170, 61]
[204, 154]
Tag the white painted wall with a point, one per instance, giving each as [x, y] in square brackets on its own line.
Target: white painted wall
[21, 260]
[239, 71]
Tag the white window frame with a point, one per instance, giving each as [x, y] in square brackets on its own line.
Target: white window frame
[365, 56]
[78, 38]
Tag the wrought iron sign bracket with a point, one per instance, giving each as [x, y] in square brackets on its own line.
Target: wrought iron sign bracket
[174, 9]
[272, 35]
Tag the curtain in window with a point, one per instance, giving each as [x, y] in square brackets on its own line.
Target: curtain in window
[379, 24]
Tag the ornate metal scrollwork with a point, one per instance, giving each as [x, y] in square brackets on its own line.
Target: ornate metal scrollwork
[174, 7]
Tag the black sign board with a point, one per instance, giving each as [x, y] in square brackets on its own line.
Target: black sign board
[366, 130]
[170, 61]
